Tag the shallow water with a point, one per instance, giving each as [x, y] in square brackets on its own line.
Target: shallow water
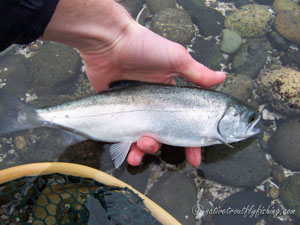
[46, 74]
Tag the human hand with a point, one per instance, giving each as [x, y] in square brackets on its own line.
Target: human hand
[145, 56]
[114, 47]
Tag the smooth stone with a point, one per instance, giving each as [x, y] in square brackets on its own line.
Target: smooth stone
[245, 165]
[278, 174]
[289, 193]
[239, 201]
[237, 85]
[284, 144]
[249, 21]
[213, 23]
[250, 58]
[287, 23]
[281, 5]
[208, 53]
[280, 88]
[132, 6]
[192, 5]
[277, 41]
[54, 69]
[156, 5]
[291, 59]
[231, 41]
[173, 24]
[240, 3]
[177, 194]
[264, 2]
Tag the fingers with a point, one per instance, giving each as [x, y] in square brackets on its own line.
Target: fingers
[194, 71]
[193, 155]
[144, 145]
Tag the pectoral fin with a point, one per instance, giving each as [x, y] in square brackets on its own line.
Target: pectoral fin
[118, 152]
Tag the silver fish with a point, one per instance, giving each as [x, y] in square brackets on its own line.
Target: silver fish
[173, 115]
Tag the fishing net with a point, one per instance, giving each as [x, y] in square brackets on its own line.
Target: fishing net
[65, 199]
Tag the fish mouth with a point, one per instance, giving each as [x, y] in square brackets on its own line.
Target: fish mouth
[252, 130]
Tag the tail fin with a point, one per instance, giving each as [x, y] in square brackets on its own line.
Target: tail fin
[16, 115]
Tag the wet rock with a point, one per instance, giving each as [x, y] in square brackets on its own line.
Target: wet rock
[177, 194]
[243, 165]
[173, 24]
[265, 2]
[291, 58]
[273, 192]
[231, 41]
[208, 53]
[284, 145]
[249, 21]
[289, 193]
[242, 200]
[240, 3]
[156, 5]
[281, 5]
[280, 88]
[287, 23]
[54, 69]
[277, 41]
[278, 174]
[213, 23]
[192, 5]
[237, 85]
[132, 6]
[250, 58]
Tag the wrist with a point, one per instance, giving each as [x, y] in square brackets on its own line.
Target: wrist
[88, 25]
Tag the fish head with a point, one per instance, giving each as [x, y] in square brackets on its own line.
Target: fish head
[238, 122]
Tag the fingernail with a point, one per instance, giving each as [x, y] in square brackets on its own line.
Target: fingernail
[221, 73]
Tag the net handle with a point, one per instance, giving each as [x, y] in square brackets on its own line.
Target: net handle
[35, 169]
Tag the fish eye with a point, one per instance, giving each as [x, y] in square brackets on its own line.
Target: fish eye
[252, 117]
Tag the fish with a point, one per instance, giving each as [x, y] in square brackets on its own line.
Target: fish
[174, 115]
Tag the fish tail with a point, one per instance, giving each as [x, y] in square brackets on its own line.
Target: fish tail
[16, 115]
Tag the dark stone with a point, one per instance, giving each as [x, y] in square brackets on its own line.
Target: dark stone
[240, 3]
[132, 6]
[239, 201]
[54, 69]
[284, 145]
[290, 194]
[291, 58]
[265, 2]
[174, 24]
[243, 165]
[213, 23]
[250, 58]
[277, 41]
[192, 5]
[278, 174]
[172, 155]
[177, 194]
[156, 5]
[208, 53]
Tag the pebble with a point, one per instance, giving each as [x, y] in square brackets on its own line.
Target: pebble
[278, 174]
[281, 5]
[20, 143]
[156, 5]
[231, 41]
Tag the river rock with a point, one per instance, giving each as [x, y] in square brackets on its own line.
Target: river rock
[291, 59]
[284, 145]
[192, 5]
[280, 88]
[264, 2]
[173, 24]
[237, 85]
[249, 21]
[289, 193]
[287, 23]
[250, 58]
[156, 5]
[277, 41]
[177, 194]
[213, 23]
[231, 41]
[243, 166]
[132, 6]
[239, 201]
[54, 69]
[281, 5]
[208, 53]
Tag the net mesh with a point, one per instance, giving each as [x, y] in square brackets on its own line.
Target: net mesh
[62, 199]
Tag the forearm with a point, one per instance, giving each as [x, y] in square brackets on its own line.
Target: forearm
[86, 24]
